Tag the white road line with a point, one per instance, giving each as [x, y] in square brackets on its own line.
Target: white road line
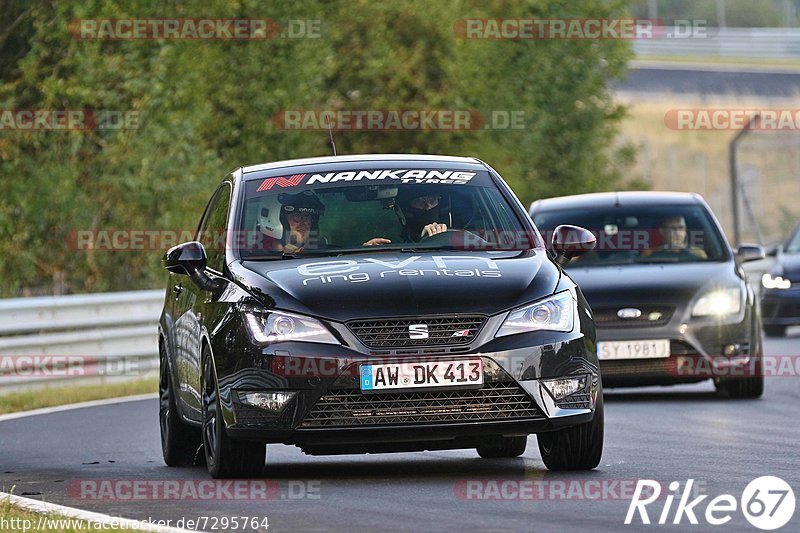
[81, 405]
[37, 506]
[45, 508]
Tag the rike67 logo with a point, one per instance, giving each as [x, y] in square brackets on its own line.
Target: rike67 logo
[767, 503]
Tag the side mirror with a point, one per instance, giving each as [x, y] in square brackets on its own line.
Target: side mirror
[185, 258]
[750, 252]
[773, 250]
[571, 241]
[189, 259]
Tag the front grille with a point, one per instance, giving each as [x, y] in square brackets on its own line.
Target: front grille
[663, 366]
[628, 368]
[253, 416]
[350, 407]
[395, 333]
[651, 316]
[780, 310]
[579, 400]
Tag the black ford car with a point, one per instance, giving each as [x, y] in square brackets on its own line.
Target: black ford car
[381, 303]
[780, 292]
[670, 299]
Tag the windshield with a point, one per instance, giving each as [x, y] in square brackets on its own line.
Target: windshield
[332, 213]
[793, 246]
[646, 234]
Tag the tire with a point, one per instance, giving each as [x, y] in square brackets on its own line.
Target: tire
[576, 448]
[503, 447]
[179, 442]
[744, 388]
[775, 331]
[225, 457]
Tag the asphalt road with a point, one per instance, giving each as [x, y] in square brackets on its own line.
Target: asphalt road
[664, 434]
[679, 80]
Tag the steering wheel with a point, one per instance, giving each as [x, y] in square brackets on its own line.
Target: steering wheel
[451, 236]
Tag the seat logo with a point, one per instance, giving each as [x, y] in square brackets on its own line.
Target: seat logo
[418, 331]
[629, 312]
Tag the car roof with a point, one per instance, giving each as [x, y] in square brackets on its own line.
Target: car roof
[603, 200]
[364, 158]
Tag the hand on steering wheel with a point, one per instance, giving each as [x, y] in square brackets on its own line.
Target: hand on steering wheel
[432, 229]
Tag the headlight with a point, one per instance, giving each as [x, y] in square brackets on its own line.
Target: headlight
[267, 327]
[719, 302]
[553, 314]
[775, 282]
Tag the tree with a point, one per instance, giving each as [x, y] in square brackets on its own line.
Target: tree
[205, 107]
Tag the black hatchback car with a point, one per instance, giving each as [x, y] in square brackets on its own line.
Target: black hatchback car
[669, 297]
[381, 303]
[780, 288]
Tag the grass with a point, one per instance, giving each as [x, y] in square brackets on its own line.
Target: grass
[51, 396]
[697, 161]
[13, 518]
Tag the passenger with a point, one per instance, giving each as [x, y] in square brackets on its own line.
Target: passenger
[292, 224]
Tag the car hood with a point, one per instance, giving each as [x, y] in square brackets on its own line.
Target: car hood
[405, 284]
[790, 266]
[671, 284]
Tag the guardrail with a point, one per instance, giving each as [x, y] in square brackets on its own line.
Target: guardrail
[56, 338]
[762, 43]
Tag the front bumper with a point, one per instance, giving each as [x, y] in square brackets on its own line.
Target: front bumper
[329, 413]
[781, 307]
[697, 352]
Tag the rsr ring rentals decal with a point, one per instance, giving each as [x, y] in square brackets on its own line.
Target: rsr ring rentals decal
[349, 270]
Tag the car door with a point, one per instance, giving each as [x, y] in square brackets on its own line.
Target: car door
[212, 234]
[186, 335]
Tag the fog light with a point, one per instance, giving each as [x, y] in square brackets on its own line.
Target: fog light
[269, 401]
[730, 349]
[561, 388]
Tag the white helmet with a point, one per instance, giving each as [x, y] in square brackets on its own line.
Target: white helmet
[272, 217]
[269, 218]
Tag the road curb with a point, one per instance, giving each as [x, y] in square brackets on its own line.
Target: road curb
[80, 405]
[44, 508]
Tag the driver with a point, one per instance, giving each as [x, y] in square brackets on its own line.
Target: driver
[291, 224]
[674, 236]
[420, 215]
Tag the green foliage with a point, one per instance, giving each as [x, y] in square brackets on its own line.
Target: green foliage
[206, 107]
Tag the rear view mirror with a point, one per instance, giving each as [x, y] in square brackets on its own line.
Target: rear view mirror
[571, 241]
[369, 192]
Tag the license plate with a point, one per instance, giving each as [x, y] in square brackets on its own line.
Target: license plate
[425, 374]
[650, 349]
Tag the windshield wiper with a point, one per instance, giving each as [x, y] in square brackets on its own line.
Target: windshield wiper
[662, 260]
[285, 255]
